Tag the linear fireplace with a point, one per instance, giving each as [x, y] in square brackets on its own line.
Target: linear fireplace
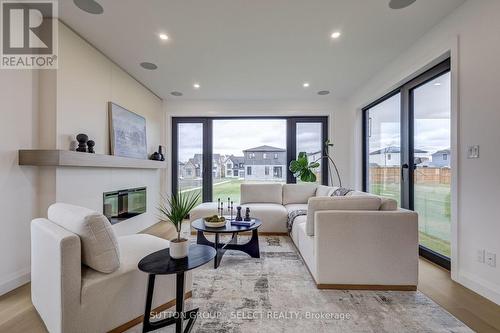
[124, 204]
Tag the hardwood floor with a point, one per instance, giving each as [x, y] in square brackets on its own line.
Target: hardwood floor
[17, 314]
[472, 309]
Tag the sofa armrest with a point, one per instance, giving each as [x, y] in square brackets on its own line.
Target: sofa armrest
[366, 247]
[55, 275]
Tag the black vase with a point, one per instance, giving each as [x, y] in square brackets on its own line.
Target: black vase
[160, 153]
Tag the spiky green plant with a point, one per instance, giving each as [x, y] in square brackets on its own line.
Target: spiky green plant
[176, 208]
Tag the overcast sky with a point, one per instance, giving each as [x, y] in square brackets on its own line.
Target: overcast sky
[234, 136]
[432, 118]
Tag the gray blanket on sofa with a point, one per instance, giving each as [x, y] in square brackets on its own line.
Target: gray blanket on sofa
[292, 216]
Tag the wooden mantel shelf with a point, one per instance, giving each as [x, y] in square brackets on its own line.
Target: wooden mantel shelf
[66, 158]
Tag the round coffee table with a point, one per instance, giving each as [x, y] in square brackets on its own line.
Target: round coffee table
[251, 247]
[160, 263]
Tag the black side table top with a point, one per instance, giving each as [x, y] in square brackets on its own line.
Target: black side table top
[199, 225]
[160, 262]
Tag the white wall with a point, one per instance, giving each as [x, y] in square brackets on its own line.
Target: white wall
[19, 129]
[42, 109]
[322, 106]
[471, 33]
[86, 81]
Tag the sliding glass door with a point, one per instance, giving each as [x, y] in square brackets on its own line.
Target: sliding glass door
[431, 106]
[407, 155]
[215, 155]
[384, 140]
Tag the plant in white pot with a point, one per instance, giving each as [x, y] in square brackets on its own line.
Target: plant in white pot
[174, 210]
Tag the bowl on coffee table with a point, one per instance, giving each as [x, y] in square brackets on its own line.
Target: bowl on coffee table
[214, 221]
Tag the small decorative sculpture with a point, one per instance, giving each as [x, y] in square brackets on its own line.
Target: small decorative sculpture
[238, 214]
[155, 156]
[82, 142]
[91, 145]
[73, 144]
[160, 153]
[247, 215]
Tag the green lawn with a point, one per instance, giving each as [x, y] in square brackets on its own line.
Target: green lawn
[229, 189]
[432, 202]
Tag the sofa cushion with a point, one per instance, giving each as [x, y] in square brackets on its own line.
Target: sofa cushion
[99, 245]
[273, 216]
[262, 193]
[299, 220]
[293, 207]
[298, 193]
[324, 191]
[371, 203]
[203, 210]
[387, 204]
[306, 248]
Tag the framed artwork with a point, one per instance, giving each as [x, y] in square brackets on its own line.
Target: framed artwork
[127, 132]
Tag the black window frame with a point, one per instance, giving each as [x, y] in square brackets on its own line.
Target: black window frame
[406, 145]
[207, 181]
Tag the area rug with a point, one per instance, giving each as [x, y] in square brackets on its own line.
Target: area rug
[277, 294]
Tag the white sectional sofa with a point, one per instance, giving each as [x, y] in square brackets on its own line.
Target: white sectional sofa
[356, 241]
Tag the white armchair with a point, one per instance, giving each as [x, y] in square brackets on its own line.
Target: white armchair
[72, 297]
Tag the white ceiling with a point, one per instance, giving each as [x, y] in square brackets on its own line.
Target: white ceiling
[254, 49]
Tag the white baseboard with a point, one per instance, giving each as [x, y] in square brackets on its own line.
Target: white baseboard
[14, 281]
[480, 286]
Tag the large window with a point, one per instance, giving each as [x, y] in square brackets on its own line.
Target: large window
[242, 150]
[407, 153]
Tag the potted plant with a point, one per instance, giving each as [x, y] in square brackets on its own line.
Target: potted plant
[303, 170]
[174, 210]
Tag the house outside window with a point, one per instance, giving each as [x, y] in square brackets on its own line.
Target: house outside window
[275, 156]
[389, 157]
[266, 170]
[249, 170]
[264, 156]
[445, 157]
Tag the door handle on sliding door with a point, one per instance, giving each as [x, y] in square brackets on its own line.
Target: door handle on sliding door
[404, 166]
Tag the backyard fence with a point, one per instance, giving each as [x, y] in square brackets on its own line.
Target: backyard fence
[384, 175]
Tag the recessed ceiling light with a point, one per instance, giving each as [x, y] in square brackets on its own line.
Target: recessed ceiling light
[306, 85]
[437, 84]
[323, 92]
[400, 4]
[149, 66]
[89, 6]
[196, 86]
[335, 34]
[163, 36]
[176, 93]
